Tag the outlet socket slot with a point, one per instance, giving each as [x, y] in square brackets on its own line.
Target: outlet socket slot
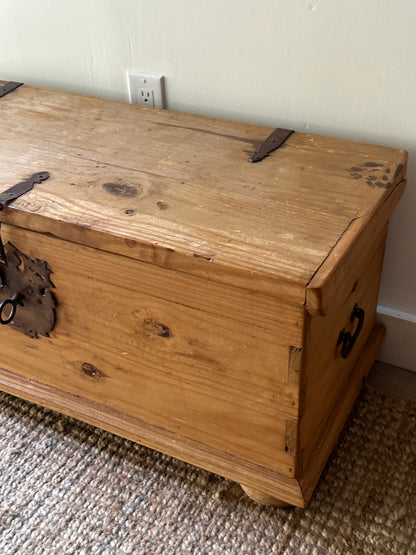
[146, 89]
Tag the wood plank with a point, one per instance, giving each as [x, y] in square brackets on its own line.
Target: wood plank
[337, 417]
[197, 194]
[188, 450]
[349, 257]
[325, 371]
[201, 375]
[271, 314]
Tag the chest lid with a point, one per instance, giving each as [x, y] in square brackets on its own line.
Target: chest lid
[179, 190]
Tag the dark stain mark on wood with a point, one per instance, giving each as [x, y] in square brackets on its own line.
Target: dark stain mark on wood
[154, 328]
[373, 165]
[129, 212]
[388, 170]
[203, 257]
[162, 205]
[369, 173]
[53, 235]
[253, 142]
[91, 370]
[168, 255]
[295, 364]
[354, 287]
[398, 170]
[204, 360]
[130, 242]
[291, 436]
[201, 355]
[121, 190]
[154, 255]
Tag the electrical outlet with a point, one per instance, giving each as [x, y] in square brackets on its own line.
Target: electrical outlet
[146, 89]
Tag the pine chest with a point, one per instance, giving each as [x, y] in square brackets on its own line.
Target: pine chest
[160, 285]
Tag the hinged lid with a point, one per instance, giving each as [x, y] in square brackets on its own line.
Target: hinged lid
[179, 190]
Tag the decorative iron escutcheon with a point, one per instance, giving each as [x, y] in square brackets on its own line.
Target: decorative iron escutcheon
[26, 302]
[345, 337]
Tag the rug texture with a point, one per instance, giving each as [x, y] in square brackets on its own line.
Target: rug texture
[66, 487]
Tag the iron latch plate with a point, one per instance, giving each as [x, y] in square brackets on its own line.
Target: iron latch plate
[26, 302]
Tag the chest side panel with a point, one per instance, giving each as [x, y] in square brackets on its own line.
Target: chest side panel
[328, 375]
[201, 361]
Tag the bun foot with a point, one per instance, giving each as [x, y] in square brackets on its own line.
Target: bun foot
[263, 498]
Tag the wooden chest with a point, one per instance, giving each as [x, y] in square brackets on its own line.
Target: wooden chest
[218, 310]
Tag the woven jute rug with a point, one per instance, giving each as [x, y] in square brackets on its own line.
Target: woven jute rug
[66, 487]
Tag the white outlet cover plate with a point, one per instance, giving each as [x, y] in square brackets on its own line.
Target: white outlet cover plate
[138, 81]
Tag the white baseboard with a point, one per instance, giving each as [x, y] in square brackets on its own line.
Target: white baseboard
[399, 346]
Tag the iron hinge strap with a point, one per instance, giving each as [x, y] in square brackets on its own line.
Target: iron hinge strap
[14, 192]
[273, 141]
[9, 87]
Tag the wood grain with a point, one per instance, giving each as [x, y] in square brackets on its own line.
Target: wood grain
[325, 371]
[338, 273]
[258, 481]
[199, 296]
[267, 226]
[263, 498]
[337, 416]
[221, 462]
[201, 375]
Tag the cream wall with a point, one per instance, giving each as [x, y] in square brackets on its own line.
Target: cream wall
[336, 67]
